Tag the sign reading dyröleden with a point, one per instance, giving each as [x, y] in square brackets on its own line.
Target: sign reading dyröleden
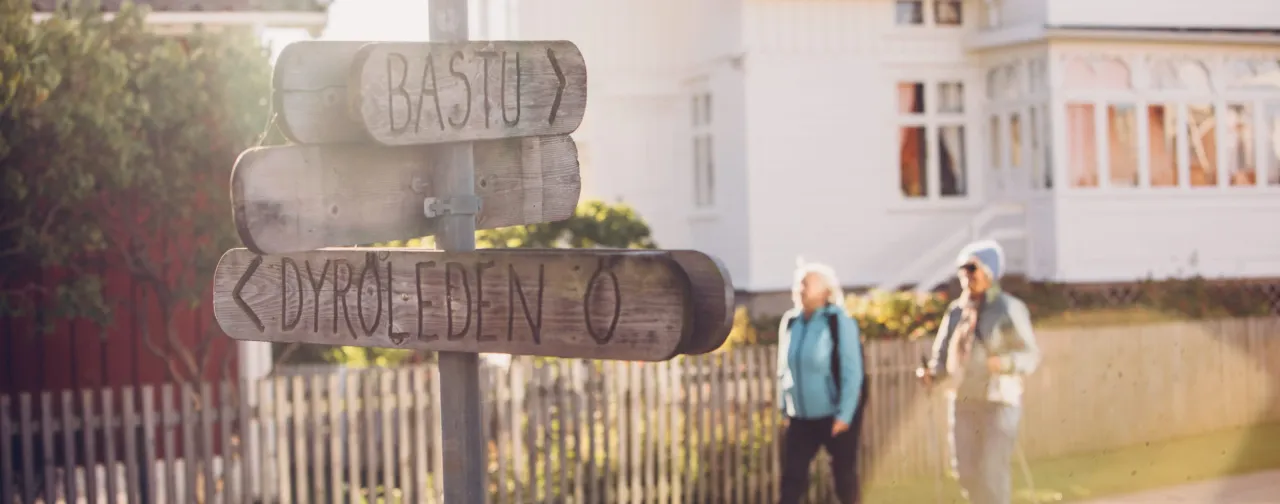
[594, 304]
[420, 92]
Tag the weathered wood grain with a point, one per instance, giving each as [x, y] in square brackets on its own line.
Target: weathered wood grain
[304, 197]
[596, 304]
[310, 92]
[713, 300]
[405, 93]
[712, 296]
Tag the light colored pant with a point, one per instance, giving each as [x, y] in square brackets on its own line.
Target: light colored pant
[981, 439]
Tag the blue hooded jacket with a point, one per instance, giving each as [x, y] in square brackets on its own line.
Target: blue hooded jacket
[806, 388]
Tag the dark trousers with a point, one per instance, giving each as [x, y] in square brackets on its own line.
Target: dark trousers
[803, 438]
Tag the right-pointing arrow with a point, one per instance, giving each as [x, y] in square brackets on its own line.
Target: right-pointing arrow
[235, 293]
[555, 105]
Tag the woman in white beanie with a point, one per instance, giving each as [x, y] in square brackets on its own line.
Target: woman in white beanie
[983, 349]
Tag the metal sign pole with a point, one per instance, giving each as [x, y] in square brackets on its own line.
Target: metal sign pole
[464, 450]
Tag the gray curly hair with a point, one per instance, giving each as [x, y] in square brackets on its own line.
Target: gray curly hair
[828, 275]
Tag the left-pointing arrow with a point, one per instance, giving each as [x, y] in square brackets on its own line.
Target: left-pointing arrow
[235, 293]
[555, 105]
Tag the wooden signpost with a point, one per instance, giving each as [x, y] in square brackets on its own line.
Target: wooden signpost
[596, 304]
[303, 197]
[399, 140]
[407, 93]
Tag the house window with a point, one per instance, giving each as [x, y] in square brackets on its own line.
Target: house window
[929, 12]
[1082, 145]
[932, 139]
[1037, 168]
[1203, 140]
[1162, 132]
[703, 152]
[1272, 143]
[1122, 145]
[947, 12]
[1242, 163]
[909, 12]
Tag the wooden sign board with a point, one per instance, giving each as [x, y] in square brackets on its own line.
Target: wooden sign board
[310, 92]
[592, 304]
[713, 300]
[420, 92]
[304, 197]
[316, 104]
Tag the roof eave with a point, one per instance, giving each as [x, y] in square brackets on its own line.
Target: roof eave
[176, 20]
[1031, 34]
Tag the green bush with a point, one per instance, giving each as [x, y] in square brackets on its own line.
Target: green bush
[893, 315]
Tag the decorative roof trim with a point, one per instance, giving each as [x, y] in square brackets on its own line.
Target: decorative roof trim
[272, 19]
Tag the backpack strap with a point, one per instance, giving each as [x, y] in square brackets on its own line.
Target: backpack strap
[833, 326]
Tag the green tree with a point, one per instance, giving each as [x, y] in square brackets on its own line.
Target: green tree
[117, 142]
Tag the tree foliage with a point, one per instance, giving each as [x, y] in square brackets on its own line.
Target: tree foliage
[116, 144]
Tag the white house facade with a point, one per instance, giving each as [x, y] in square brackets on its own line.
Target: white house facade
[1098, 144]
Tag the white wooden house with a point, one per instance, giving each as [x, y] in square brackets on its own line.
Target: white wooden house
[1100, 141]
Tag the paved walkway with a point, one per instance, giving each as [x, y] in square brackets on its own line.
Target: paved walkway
[1257, 488]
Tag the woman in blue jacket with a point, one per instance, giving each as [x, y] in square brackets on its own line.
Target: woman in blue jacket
[821, 384]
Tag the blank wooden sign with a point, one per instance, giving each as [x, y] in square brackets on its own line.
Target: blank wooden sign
[406, 93]
[592, 304]
[304, 197]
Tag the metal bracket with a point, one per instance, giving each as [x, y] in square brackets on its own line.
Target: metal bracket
[458, 205]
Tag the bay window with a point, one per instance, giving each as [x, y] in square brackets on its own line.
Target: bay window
[932, 159]
[1182, 128]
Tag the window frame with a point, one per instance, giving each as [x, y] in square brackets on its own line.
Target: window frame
[701, 102]
[933, 121]
[929, 15]
[1145, 91]
[1029, 99]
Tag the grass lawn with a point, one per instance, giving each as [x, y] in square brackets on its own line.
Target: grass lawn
[1132, 469]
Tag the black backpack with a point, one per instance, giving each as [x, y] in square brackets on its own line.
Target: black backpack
[833, 326]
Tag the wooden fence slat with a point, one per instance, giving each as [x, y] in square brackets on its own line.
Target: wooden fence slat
[7, 476]
[169, 418]
[611, 439]
[244, 438]
[352, 433]
[582, 454]
[591, 417]
[386, 411]
[334, 436]
[403, 445]
[663, 432]
[282, 410]
[315, 438]
[90, 436]
[130, 426]
[516, 409]
[190, 453]
[500, 400]
[298, 402]
[268, 486]
[109, 424]
[68, 447]
[372, 431]
[557, 400]
[28, 449]
[46, 438]
[225, 411]
[149, 441]
[421, 430]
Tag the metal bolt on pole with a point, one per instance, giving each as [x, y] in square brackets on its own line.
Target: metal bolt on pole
[464, 449]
